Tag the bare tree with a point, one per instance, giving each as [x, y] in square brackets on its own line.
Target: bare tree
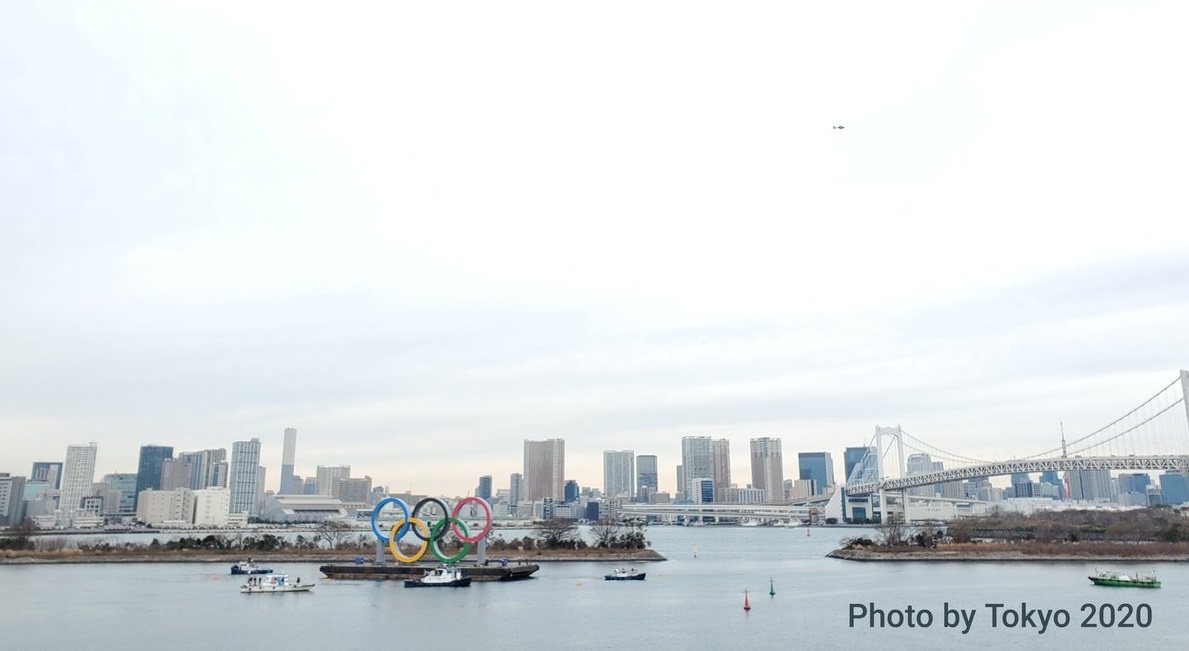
[557, 534]
[605, 532]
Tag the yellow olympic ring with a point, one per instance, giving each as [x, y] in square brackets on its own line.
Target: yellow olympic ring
[416, 522]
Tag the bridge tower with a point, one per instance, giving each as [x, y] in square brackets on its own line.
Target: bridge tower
[1185, 392]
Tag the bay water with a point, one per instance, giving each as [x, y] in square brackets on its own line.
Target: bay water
[693, 600]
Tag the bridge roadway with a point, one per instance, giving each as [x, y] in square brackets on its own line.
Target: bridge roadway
[752, 511]
[1134, 462]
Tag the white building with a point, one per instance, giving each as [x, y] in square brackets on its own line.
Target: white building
[212, 506]
[172, 508]
[244, 476]
[78, 473]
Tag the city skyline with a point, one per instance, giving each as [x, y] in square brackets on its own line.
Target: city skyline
[211, 232]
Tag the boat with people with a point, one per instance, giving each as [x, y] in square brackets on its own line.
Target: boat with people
[446, 576]
[1117, 579]
[276, 582]
[248, 567]
[625, 574]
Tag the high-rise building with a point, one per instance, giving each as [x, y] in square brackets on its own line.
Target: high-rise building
[205, 469]
[721, 452]
[243, 477]
[328, 475]
[619, 470]
[78, 473]
[1175, 486]
[646, 475]
[817, 467]
[866, 459]
[148, 470]
[12, 491]
[571, 491]
[47, 471]
[515, 489]
[1051, 478]
[697, 462]
[544, 469]
[1090, 485]
[767, 467]
[353, 490]
[125, 483]
[483, 490]
[176, 473]
[288, 455]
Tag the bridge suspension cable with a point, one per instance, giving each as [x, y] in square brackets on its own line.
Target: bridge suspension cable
[1057, 450]
[948, 455]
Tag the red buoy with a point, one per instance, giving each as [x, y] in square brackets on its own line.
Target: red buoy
[746, 602]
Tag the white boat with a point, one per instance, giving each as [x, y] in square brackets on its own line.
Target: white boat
[624, 574]
[274, 583]
[447, 576]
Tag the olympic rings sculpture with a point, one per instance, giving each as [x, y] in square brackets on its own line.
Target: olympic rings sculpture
[430, 535]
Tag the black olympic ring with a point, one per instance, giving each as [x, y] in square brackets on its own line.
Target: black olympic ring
[441, 532]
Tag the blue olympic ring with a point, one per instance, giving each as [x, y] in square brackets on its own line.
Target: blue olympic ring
[404, 509]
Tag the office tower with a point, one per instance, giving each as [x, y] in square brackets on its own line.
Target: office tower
[703, 490]
[78, 473]
[515, 489]
[288, 454]
[571, 491]
[866, 459]
[483, 490]
[125, 483]
[1090, 485]
[205, 470]
[544, 469]
[148, 471]
[1050, 477]
[328, 475]
[1175, 486]
[309, 486]
[354, 491]
[647, 478]
[767, 468]
[817, 467]
[619, 470]
[243, 476]
[721, 452]
[697, 462]
[47, 471]
[176, 473]
[12, 492]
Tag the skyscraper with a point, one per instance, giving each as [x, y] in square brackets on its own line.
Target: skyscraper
[866, 459]
[78, 473]
[288, 454]
[721, 454]
[515, 489]
[483, 490]
[818, 467]
[697, 462]
[619, 470]
[47, 471]
[328, 475]
[767, 467]
[125, 483]
[208, 467]
[646, 475]
[1090, 485]
[544, 469]
[244, 475]
[176, 473]
[148, 471]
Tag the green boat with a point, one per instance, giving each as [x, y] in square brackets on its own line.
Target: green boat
[1117, 579]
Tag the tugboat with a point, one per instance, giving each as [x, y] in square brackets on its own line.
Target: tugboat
[248, 567]
[1117, 579]
[447, 576]
[624, 574]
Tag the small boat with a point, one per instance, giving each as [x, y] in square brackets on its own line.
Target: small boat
[274, 583]
[248, 567]
[447, 576]
[624, 574]
[1117, 579]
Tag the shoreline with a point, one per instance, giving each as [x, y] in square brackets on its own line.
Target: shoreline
[550, 556]
[995, 557]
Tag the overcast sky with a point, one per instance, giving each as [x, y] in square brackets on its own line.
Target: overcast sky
[422, 233]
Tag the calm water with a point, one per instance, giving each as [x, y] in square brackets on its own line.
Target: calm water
[695, 603]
